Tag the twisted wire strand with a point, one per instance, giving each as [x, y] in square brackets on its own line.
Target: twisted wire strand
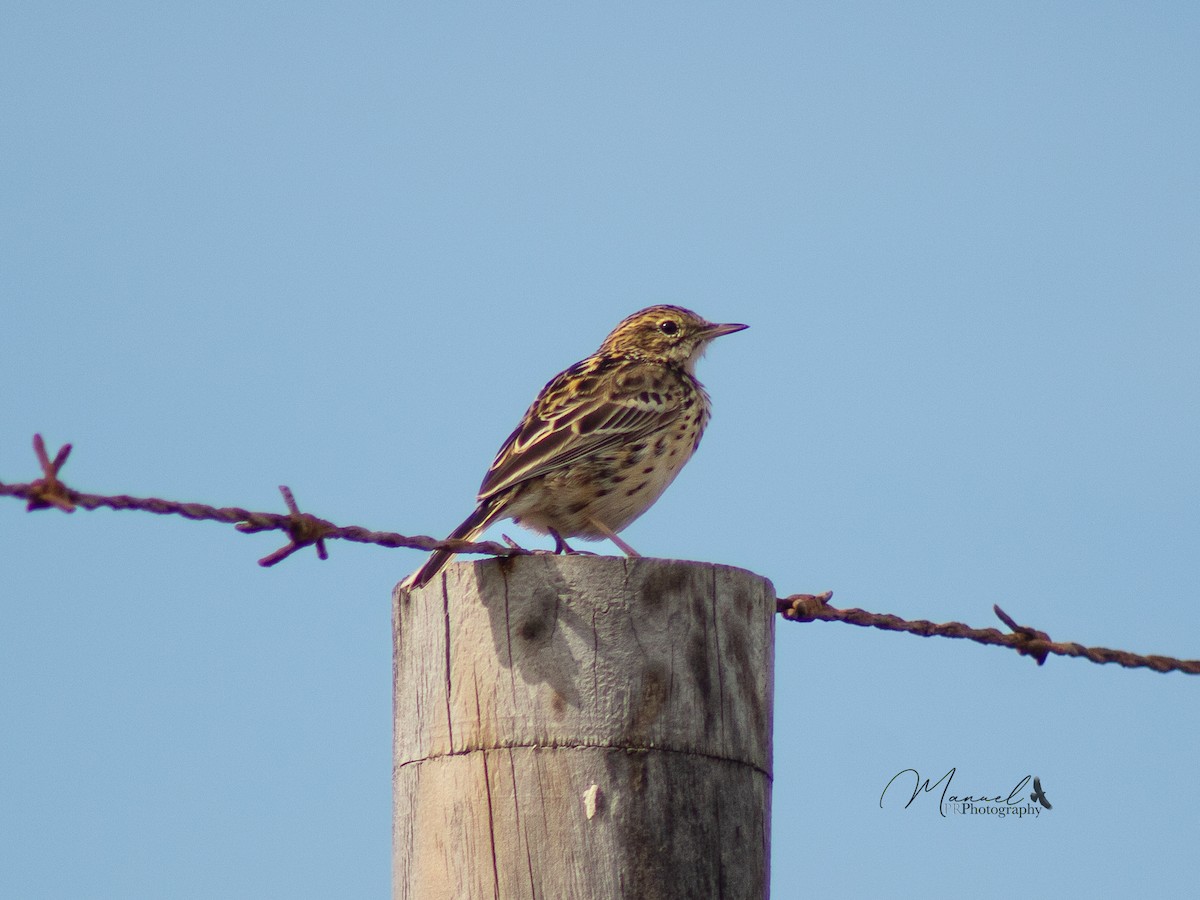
[250, 521]
[1027, 641]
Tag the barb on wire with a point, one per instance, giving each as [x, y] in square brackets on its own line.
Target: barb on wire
[302, 529]
[48, 491]
[1036, 642]
[1026, 641]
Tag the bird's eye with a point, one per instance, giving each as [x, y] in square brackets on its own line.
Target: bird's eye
[668, 326]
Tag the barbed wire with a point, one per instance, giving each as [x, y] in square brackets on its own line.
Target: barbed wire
[1025, 640]
[305, 530]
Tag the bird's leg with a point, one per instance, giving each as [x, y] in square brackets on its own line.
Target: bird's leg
[561, 546]
[511, 542]
[612, 536]
[560, 543]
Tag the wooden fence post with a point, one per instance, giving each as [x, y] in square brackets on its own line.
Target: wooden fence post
[583, 727]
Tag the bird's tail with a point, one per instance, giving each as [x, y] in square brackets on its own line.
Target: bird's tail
[483, 516]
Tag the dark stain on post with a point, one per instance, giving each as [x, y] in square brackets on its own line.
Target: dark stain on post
[677, 823]
[699, 665]
[740, 617]
[539, 618]
[633, 772]
[653, 697]
[749, 607]
[662, 583]
[532, 629]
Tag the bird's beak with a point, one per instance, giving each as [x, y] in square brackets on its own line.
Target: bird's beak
[715, 331]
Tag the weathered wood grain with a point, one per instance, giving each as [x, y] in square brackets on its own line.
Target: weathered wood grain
[583, 727]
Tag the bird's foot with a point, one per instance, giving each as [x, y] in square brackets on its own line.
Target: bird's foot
[562, 547]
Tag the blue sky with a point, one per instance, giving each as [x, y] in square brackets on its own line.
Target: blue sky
[341, 246]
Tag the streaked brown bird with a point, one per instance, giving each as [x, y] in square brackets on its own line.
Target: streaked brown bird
[602, 440]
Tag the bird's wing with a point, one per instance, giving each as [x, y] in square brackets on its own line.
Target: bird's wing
[579, 413]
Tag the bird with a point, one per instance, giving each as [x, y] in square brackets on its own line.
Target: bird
[1039, 795]
[603, 439]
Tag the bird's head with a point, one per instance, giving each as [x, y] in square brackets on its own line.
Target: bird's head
[669, 334]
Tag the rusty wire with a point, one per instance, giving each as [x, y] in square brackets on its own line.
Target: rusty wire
[1026, 641]
[305, 530]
